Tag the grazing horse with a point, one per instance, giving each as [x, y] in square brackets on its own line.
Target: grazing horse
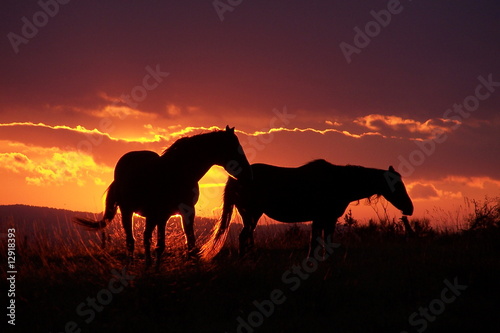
[318, 191]
[157, 187]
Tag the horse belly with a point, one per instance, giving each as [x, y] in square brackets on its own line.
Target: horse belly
[294, 194]
[289, 208]
[288, 216]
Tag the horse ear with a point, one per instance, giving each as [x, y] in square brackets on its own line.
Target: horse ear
[391, 169]
[229, 130]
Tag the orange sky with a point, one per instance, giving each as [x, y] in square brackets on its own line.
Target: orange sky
[75, 176]
[424, 98]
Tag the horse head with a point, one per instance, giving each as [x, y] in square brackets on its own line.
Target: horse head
[232, 157]
[394, 191]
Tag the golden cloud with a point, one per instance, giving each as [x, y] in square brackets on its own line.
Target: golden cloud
[378, 122]
[54, 168]
[122, 112]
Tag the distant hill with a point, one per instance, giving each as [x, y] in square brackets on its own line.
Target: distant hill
[47, 227]
[52, 223]
[43, 225]
[24, 213]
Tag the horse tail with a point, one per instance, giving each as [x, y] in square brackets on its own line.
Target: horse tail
[109, 212]
[221, 229]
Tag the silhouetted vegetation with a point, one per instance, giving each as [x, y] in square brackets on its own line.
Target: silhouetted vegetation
[486, 214]
[373, 282]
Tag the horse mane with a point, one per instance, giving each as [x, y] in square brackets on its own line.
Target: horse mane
[374, 197]
[324, 163]
[321, 163]
[318, 162]
[187, 141]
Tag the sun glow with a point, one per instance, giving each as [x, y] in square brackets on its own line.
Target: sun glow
[211, 191]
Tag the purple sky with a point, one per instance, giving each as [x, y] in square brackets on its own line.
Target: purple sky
[83, 59]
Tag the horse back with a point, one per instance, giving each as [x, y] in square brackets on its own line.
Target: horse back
[300, 178]
[289, 194]
[146, 183]
[136, 163]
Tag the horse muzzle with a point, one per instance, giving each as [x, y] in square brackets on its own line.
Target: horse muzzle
[408, 211]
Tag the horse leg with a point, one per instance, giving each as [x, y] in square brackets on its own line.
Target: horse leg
[246, 236]
[129, 233]
[329, 230]
[244, 239]
[188, 227]
[255, 219]
[148, 234]
[317, 228]
[160, 244]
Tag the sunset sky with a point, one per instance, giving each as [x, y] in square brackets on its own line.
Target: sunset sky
[413, 84]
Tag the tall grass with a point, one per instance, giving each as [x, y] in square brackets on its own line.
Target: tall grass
[372, 283]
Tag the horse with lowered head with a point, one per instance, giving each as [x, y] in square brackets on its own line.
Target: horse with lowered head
[157, 187]
[317, 191]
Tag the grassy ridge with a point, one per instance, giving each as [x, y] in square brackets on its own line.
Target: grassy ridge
[373, 282]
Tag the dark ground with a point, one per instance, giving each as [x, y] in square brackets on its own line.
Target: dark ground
[374, 282]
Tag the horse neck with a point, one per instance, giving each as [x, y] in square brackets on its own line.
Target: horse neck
[369, 182]
[194, 160]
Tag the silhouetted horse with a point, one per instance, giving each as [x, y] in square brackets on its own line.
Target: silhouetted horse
[318, 191]
[157, 187]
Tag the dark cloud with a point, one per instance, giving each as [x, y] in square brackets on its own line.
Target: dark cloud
[262, 55]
